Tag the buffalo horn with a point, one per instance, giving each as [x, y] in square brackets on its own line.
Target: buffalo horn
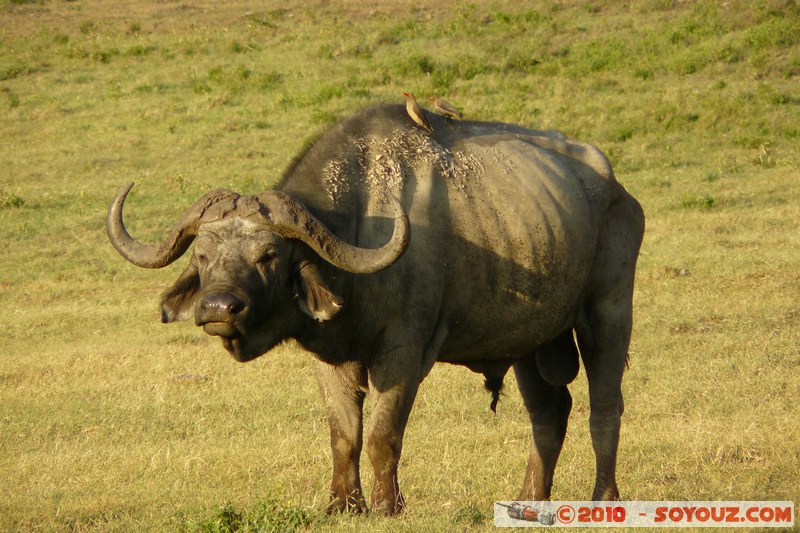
[292, 220]
[178, 241]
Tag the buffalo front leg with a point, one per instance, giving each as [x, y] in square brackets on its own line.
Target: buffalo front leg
[548, 407]
[394, 380]
[343, 389]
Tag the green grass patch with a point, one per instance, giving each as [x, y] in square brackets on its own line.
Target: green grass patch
[265, 516]
[692, 201]
[10, 200]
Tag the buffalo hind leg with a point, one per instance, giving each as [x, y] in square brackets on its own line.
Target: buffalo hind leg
[604, 332]
[343, 389]
[604, 351]
[548, 408]
[394, 381]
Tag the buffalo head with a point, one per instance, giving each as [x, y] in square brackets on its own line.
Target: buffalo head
[253, 275]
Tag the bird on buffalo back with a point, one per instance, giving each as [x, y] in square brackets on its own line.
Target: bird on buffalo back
[445, 108]
[416, 113]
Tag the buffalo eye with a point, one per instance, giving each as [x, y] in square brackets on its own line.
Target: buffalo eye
[202, 259]
[267, 256]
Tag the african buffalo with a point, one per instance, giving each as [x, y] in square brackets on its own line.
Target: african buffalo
[385, 249]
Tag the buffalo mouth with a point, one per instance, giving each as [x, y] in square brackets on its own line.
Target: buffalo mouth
[220, 329]
[232, 340]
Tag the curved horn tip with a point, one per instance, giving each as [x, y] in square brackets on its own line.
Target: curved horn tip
[143, 255]
[125, 189]
[115, 209]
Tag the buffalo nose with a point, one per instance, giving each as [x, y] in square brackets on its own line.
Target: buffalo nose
[219, 306]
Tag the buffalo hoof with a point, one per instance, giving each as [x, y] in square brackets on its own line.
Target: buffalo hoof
[389, 506]
[609, 493]
[355, 505]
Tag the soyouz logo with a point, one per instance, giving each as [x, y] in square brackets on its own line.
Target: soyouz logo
[644, 514]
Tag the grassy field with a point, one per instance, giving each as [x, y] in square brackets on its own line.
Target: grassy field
[112, 421]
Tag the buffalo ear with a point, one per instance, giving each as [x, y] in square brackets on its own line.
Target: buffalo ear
[314, 296]
[177, 303]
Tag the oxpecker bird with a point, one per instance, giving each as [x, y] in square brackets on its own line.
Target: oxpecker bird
[416, 113]
[445, 108]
